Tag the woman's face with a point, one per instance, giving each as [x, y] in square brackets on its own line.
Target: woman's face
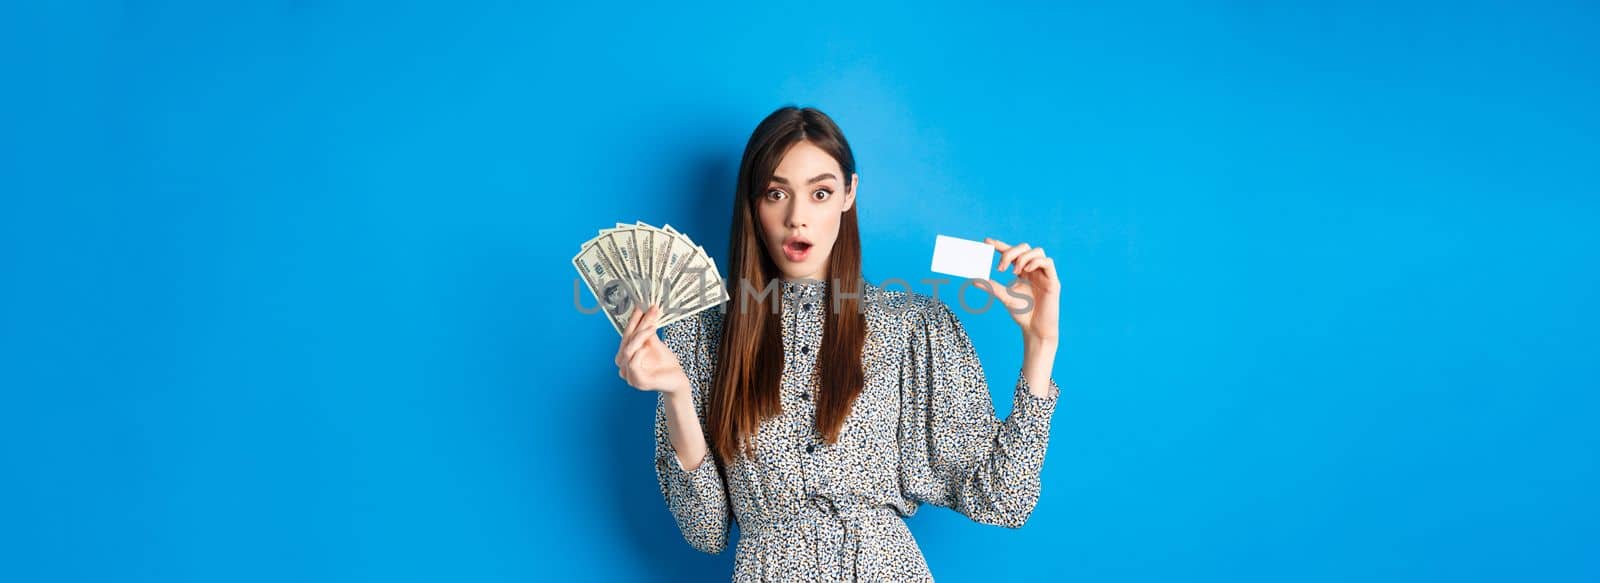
[800, 210]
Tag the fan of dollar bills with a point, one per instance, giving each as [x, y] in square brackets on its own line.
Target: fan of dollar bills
[638, 265]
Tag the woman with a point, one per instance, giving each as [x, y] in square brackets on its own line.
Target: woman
[818, 409]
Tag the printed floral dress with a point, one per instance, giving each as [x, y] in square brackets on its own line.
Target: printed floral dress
[923, 430]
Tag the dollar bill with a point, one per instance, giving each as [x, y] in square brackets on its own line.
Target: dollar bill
[635, 265]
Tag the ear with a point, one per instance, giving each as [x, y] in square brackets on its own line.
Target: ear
[850, 193]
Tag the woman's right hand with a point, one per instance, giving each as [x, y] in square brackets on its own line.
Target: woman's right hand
[644, 361]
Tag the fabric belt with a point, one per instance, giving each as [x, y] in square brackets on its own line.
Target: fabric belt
[836, 537]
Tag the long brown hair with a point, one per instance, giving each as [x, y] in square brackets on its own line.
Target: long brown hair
[745, 390]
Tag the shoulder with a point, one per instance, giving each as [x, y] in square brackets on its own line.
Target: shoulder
[696, 334]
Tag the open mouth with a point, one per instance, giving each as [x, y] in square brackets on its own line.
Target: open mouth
[796, 249]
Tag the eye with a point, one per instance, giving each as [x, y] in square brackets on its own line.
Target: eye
[822, 194]
[776, 194]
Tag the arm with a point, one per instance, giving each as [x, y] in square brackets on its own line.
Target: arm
[954, 451]
[1034, 301]
[676, 367]
[687, 439]
[1038, 360]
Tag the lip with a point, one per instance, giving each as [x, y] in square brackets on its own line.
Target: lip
[792, 248]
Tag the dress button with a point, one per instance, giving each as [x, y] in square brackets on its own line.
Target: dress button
[807, 306]
[811, 448]
[806, 395]
[805, 349]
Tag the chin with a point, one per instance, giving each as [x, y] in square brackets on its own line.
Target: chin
[795, 271]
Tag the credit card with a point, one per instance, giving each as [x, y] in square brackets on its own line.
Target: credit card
[962, 257]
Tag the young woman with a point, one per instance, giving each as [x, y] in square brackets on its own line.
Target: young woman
[818, 409]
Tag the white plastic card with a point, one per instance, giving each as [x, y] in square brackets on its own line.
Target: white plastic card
[962, 257]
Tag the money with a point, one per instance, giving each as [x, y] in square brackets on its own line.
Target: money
[633, 266]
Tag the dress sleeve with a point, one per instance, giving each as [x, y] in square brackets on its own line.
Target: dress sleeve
[696, 498]
[953, 451]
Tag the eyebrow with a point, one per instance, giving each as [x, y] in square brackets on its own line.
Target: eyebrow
[815, 179]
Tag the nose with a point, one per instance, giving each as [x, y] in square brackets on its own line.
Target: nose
[794, 216]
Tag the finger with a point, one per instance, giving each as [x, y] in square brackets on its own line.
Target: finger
[1042, 276]
[632, 320]
[647, 319]
[641, 334]
[1048, 266]
[1023, 265]
[654, 317]
[1027, 259]
[635, 343]
[984, 284]
[996, 243]
[651, 322]
[1010, 255]
[632, 362]
[1032, 264]
[622, 350]
[997, 290]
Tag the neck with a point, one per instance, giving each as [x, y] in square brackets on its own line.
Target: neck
[821, 276]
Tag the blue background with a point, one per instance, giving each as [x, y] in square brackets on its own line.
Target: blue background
[286, 292]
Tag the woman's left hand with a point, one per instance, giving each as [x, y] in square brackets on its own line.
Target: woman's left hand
[1035, 279]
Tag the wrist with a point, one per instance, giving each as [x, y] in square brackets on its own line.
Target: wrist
[679, 394]
[1038, 362]
[1032, 343]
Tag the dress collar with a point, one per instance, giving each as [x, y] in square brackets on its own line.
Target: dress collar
[803, 288]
